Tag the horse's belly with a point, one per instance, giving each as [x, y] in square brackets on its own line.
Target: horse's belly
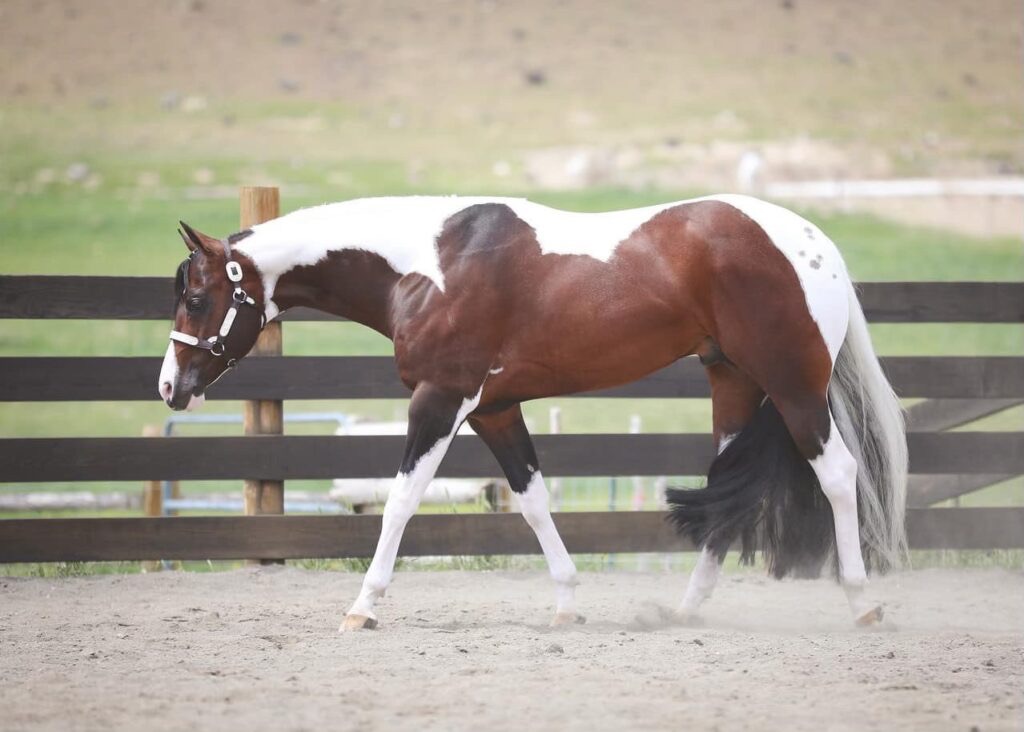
[594, 355]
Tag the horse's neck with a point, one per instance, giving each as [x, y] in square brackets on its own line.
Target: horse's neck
[314, 261]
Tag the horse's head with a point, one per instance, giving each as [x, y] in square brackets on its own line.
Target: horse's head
[218, 316]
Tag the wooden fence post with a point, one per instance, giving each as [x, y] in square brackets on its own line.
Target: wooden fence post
[152, 497]
[263, 416]
[152, 490]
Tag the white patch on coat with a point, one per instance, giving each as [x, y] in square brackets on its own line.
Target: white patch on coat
[404, 230]
[702, 583]
[168, 373]
[534, 505]
[595, 235]
[836, 470]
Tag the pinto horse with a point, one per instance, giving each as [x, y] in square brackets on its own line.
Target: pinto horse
[493, 301]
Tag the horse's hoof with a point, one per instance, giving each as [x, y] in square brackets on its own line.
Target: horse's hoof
[357, 622]
[871, 617]
[562, 619]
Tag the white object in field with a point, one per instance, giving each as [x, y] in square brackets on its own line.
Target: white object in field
[748, 171]
[361, 491]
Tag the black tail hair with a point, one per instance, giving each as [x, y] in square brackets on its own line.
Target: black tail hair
[762, 491]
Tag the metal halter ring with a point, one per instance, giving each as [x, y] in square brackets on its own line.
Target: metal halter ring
[217, 348]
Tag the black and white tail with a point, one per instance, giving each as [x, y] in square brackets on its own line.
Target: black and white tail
[762, 492]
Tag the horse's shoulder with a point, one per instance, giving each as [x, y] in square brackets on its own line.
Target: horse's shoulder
[481, 227]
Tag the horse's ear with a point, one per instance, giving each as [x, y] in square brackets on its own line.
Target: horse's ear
[188, 242]
[197, 240]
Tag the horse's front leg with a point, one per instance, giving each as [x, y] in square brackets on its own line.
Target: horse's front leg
[434, 417]
[505, 434]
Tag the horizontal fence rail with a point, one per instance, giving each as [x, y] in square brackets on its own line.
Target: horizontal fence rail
[308, 537]
[150, 298]
[287, 457]
[944, 462]
[374, 377]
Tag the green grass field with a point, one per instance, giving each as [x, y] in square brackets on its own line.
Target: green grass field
[124, 208]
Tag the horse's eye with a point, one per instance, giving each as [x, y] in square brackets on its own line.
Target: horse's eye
[194, 304]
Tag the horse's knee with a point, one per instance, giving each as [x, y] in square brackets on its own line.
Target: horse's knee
[401, 504]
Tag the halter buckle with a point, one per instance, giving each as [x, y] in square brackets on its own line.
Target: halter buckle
[234, 271]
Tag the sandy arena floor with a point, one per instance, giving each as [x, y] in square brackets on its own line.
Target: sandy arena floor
[256, 649]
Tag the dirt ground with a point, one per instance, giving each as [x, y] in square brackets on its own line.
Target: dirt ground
[256, 649]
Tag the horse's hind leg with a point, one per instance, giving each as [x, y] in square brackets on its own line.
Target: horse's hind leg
[818, 439]
[734, 399]
[506, 435]
[434, 417]
[836, 469]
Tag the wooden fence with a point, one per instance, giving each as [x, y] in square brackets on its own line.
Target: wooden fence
[945, 463]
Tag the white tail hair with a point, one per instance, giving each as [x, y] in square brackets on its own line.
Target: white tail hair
[870, 421]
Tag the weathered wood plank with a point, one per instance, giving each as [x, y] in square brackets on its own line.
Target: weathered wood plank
[956, 376]
[927, 490]
[942, 302]
[302, 537]
[288, 457]
[150, 298]
[946, 414]
[998, 379]
[93, 297]
[128, 379]
[965, 528]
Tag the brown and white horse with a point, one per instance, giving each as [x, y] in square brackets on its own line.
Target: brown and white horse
[491, 302]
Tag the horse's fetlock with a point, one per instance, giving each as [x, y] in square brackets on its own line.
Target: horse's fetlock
[566, 577]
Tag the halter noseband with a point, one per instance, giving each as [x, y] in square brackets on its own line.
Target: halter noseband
[217, 344]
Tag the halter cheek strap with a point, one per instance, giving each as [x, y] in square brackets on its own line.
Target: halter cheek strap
[217, 344]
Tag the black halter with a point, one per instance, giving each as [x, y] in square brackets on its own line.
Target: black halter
[217, 344]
